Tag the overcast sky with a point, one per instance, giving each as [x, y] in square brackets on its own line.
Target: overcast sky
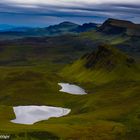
[47, 12]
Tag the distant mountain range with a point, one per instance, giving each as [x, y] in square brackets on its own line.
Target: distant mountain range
[7, 28]
[53, 30]
[109, 27]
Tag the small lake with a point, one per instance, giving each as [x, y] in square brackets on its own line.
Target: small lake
[72, 89]
[33, 114]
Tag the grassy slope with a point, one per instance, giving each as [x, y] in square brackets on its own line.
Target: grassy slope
[104, 38]
[111, 112]
[101, 73]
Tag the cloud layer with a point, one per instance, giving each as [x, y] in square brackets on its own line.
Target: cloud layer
[46, 12]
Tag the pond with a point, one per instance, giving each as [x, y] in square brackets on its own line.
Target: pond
[33, 114]
[71, 89]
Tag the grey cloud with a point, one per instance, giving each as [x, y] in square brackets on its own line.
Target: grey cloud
[87, 12]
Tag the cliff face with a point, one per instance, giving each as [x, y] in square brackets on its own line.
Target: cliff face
[114, 26]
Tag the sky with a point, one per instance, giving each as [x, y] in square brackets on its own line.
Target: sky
[48, 12]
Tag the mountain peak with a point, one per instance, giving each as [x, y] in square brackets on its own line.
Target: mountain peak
[67, 24]
[107, 57]
[114, 21]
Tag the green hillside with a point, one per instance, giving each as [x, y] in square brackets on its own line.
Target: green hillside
[104, 65]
